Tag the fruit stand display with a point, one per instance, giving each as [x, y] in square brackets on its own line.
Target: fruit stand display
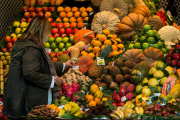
[126, 54]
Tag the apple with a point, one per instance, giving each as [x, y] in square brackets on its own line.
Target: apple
[9, 49]
[118, 99]
[65, 39]
[75, 30]
[59, 53]
[56, 50]
[51, 9]
[62, 31]
[176, 56]
[54, 31]
[169, 54]
[4, 49]
[29, 20]
[67, 52]
[115, 104]
[33, 14]
[47, 45]
[61, 45]
[23, 20]
[52, 54]
[48, 53]
[56, 35]
[13, 40]
[9, 45]
[58, 40]
[50, 35]
[41, 14]
[27, 14]
[173, 63]
[38, 9]
[53, 46]
[32, 9]
[60, 25]
[63, 35]
[48, 14]
[168, 59]
[7, 39]
[45, 9]
[25, 9]
[177, 47]
[71, 39]
[50, 20]
[51, 40]
[53, 24]
[66, 25]
[68, 45]
[178, 64]
[54, 59]
[68, 31]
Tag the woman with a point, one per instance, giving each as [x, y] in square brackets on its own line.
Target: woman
[32, 73]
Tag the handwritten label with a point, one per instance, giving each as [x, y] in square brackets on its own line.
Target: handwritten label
[100, 88]
[48, 50]
[123, 99]
[100, 61]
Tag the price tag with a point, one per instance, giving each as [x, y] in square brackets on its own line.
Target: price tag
[76, 67]
[76, 63]
[48, 50]
[100, 61]
[113, 63]
[123, 99]
[61, 107]
[157, 94]
[81, 109]
[86, 109]
[100, 88]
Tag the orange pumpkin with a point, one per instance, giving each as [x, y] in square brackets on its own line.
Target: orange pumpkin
[30, 3]
[85, 63]
[84, 35]
[56, 2]
[130, 24]
[143, 10]
[41, 2]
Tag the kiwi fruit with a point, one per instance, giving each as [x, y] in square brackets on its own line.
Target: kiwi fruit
[113, 86]
[114, 71]
[118, 63]
[108, 79]
[97, 83]
[119, 78]
[125, 70]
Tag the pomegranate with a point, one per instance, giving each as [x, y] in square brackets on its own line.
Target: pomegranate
[64, 87]
[69, 92]
[75, 87]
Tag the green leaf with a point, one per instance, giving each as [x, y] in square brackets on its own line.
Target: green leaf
[107, 93]
[153, 99]
[2, 43]
[80, 94]
[83, 102]
[8, 33]
[67, 115]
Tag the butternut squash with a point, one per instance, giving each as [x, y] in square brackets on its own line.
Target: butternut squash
[74, 52]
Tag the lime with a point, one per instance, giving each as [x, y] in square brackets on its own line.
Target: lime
[157, 37]
[156, 46]
[51, 40]
[160, 44]
[164, 50]
[53, 46]
[64, 49]
[137, 45]
[150, 33]
[131, 46]
[147, 27]
[155, 31]
[145, 45]
[143, 39]
[151, 40]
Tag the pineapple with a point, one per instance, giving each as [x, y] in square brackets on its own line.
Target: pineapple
[96, 70]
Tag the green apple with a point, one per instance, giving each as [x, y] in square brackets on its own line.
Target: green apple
[65, 39]
[131, 46]
[72, 39]
[23, 25]
[137, 45]
[68, 45]
[58, 40]
[16, 23]
[164, 50]
[53, 46]
[64, 49]
[47, 45]
[56, 50]
[51, 40]
[18, 30]
[61, 45]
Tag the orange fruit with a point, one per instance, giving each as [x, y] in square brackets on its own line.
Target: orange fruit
[85, 54]
[102, 47]
[73, 24]
[115, 48]
[97, 55]
[113, 36]
[98, 101]
[58, 19]
[91, 55]
[62, 14]
[144, 104]
[114, 53]
[92, 103]
[86, 18]
[107, 32]
[97, 43]
[118, 39]
[67, 9]
[60, 9]
[107, 42]
[74, 9]
[65, 19]
[102, 37]
[69, 14]
[97, 36]
[80, 25]
[110, 55]
[89, 48]
[89, 9]
[93, 40]
[82, 9]
[115, 42]
[77, 14]
[84, 14]
[96, 50]
[80, 19]
[89, 98]
[72, 19]
[82, 52]
[120, 51]
[121, 46]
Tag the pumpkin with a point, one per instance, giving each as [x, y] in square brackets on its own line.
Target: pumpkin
[74, 52]
[130, 24]
[84, 35]
[152, 55]
[99, 94]
[156, 22]
[105, 20]
[56, 2]
[41, 2]
[85, 63]
[139, 3]
[94, 88]
[143, 10]
[175, 91]
[118, 7]
[30, 3]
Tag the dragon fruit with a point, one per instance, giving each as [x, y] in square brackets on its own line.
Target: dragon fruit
[130, 88]
[75, 87]
[129, 96]
[114, 95]
[122, 92]
[69, 92]
[123, 86]
[64, 87]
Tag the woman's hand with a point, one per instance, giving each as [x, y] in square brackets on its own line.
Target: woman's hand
[58, 81]
[69, 64]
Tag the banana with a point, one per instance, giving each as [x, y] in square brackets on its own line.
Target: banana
[73, 104]
[114, 116]
[61, 112]
[75, 109]
[67, 107]
[78, 113]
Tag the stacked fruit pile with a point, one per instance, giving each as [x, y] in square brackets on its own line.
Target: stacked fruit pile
[5, 58]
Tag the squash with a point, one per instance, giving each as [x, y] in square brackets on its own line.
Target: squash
[152, 55]
[85, 63]
[84, 35]
[80, 45]
[56, 2]
[156, 22]
[74, 52]
[117, 7]
[94, 88]
[99, 94]
[41, 2]
[130, 24]
[143, 10]
[139, 3]
[30, 3]
[105, 20]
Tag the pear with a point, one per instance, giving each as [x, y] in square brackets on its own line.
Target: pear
[152, 70]
[163, 80]
[153, 82]
[160, 65]
[158, 74]
[138, 89]
[145, 80]
[170, 70]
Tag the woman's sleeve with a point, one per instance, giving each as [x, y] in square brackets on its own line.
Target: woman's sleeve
[59, 67]
[31, 68]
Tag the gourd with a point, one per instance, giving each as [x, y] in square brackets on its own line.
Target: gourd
[169, 34]
[84, 35]
[105, 20]
[74, 52]
[152, 55]
[56, 2]
[118, 7]
[156, 22]
[80, 45]
[130, 24]
[85, 63]
[99, 94]
[30, 3]
[94, 88]
[41, 2]
[143, 10]
[139, 3]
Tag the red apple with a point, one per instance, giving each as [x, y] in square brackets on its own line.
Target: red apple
[14, 40]
[32, 9]
[176, 56]
[54, 31]
[53, 24]
[75, 30]
[9, 49]
[67, 52]
[52, 54]
[68, 31]
[118, 99]
[9, 45]
[177, 47]
[23, 19]
[63, 35]
[33, 14]
[59, 53]
[60, 25]
[66, 25]
[27, 14]
[115, 104]
[62, 31]
[169, 54]
[41, 14]
[4, 49]
[38, 9]
[48, 53]
[51, 9]
[45, 9]
[48, 14]
[178, 64]
[29, 20]
[54, 59]
[7, 39]
[56, 35]
[168, 59]
[173, 63]
[25, 9]
[121, 104]
[50, 20]
[50, 35]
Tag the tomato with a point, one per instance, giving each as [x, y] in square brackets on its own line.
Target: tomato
[9, 45]
[151, 40]
[118, 99]
[137, 45]
[176, 56]
[147, 27]
[143, 39]
[156, 46]
[115, 104]
[145, 45]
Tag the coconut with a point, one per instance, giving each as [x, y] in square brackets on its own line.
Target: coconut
[125, 70]
[113, 86]
[119, 78]
[108, 79]
[97, 83]
[127, 77]
[102, 85]
[110, 63]
[118, 63]
[114, 71]
[129, 64]
[107, 68]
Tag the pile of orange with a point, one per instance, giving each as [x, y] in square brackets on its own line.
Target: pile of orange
[92, 101]
[101, 40]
